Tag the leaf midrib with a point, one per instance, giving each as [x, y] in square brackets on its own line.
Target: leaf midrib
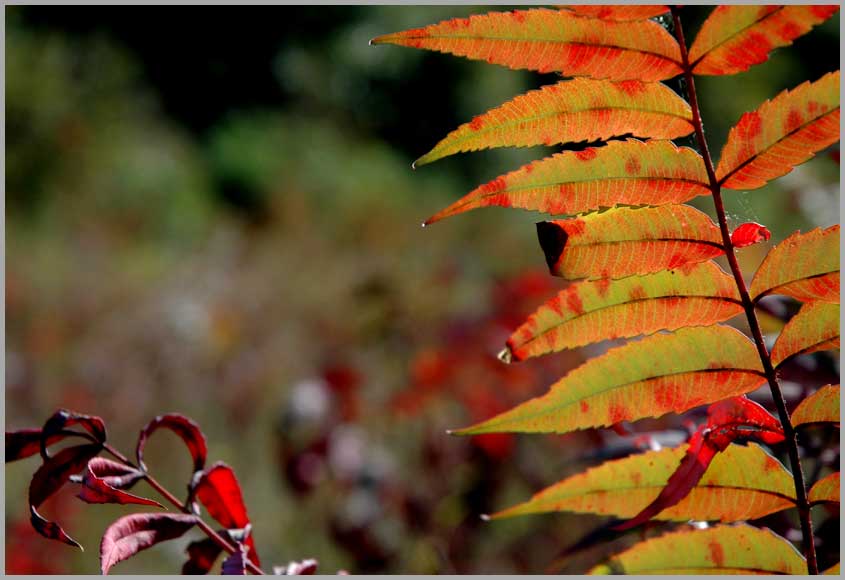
[733, 36]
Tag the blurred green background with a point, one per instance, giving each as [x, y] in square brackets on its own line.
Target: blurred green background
[211, 211]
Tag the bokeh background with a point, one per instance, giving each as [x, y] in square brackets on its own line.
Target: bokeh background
[211, 211]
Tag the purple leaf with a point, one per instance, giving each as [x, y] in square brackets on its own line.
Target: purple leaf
[96, 487]
[186, 429]
[201, 556]
[133, 533]
[235, 564]
[26, 442]
[63, 418]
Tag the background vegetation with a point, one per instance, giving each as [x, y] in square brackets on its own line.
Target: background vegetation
[212, 212]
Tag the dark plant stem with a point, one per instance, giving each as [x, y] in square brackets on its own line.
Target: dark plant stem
[183, 507]
[802, 503]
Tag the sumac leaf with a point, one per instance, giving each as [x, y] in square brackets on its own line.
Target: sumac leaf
[741, 418]
[587, 312]
[27, 442]
[782, 133]
[734, 38]
[656, 375]
[218, 490]
[553, 41]
[134, 533]
[834, 570]
[726, 549]
[627, 172]
[186, 429]
[569, 112]
[62, 419]
[103, 479]
[624, 242]
[820, 407]
[621, 13]
[749, 234]
[814, 328]
[742, 483]
[825, 490]
[803, 266]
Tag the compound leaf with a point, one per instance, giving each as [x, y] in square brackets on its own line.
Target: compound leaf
[741, 483]
[627, 172]
[553, 41]
[623, 242]
[820, 407]
[814, 328]
[826, 489]
[587, 312]
[734, 38]
[784, 132]
[659, 374]
[803, 266]
[725, 549]
[572, 111]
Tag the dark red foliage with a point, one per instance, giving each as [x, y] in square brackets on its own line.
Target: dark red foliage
[749, 234]
[103, 479]
[26, 442]
[235, 564]
[133, 533]
[186, 429]
[218, 490]
[62, 419]
[201, 556]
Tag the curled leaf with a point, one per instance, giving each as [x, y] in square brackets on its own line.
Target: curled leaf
[186, 429]
[103, 480]
[27, 442]
[134, 533]
[750, 234]
[58, 423]
[50, 530]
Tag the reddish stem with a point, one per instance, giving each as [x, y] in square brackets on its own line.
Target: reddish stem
[715, 189]
[184, 508]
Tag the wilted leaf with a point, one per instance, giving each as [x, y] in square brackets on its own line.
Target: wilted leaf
[804, 266]
[218, 490]
[553, 41]
[27, 442]
[826, 489]
[656, 375]
[627, 172]
[587, 312]
[572, 111]
[734, 38]
[742, 483]
[814, 328]
[749, 234]
[134, 533]
[782, 133]
[623, 242]
[103, 480]
[186, 429]
[621, 13]
[820, 407]
[725, 549]
[58, 423]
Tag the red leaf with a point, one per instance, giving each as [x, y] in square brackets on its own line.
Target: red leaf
[201, 557]
[26, 442]
[49, 529]
[133, 533]
[695, 462]
[728, 420]
[235, 564]
[49, 478]
[186, 429]
[102, 479]
[749, 234]
[63, 418]
[219, 491]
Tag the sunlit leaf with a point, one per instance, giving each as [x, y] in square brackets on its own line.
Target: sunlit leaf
[618, 12]
[833, 570]
[814, 328]
[742, 483]
[659, 374]
[553, 41]
[734, 38]
[572, 111]
[782, 133]
[826, 489]
[622, 172]
[724, 549]
[804, 266]
[133, 533]
[749, 234]
[623, 242]
[820, 407]
[587, 312]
